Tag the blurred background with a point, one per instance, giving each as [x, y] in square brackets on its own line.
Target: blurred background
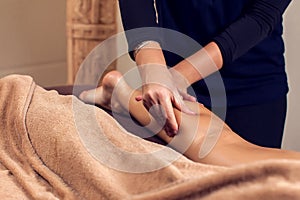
[33, 41]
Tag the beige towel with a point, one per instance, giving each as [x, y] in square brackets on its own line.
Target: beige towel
[56, 147]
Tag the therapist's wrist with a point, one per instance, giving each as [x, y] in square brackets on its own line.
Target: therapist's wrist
[148, 52]
[150, 61]
[145, 44]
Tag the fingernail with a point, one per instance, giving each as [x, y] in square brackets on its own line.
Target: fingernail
[170, 135]
[173, 133]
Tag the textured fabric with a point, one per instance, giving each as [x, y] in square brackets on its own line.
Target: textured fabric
[43, 156]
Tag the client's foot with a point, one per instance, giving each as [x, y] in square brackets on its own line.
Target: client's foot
[103, 94]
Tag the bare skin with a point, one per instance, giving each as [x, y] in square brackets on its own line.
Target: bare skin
[229, 150]
[199, 65]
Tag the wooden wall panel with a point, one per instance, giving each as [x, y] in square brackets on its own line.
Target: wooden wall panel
[89, 22]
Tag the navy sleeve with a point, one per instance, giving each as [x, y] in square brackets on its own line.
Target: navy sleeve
[137, 16]
[137, 13]
[258, 21]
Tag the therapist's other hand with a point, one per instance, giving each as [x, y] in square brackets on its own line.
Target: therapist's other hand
[181, 84]
[160, 95]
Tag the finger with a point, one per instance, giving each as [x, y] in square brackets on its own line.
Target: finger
[149, 100]
[171, 125]
[188, 97]
[157, 113]
[180, 105]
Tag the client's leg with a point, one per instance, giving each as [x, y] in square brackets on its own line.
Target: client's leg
[230, 149]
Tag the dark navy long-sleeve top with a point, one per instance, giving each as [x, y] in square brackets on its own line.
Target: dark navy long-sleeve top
[248, 33]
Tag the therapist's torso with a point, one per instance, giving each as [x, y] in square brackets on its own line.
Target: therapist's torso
[258, 76]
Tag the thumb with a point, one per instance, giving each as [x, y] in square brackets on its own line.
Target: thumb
[139, 98]
[180, 105]
[188, 97]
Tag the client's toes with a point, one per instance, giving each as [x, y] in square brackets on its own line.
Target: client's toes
[103, 94]
[97, 96]
[88, 96]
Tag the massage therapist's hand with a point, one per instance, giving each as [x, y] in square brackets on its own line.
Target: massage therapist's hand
[159, 91]
[160, 95]
[181, 84]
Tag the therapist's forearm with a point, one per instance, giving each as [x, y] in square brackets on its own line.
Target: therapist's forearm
[150, 59]
[150, 54]
[201, 64]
